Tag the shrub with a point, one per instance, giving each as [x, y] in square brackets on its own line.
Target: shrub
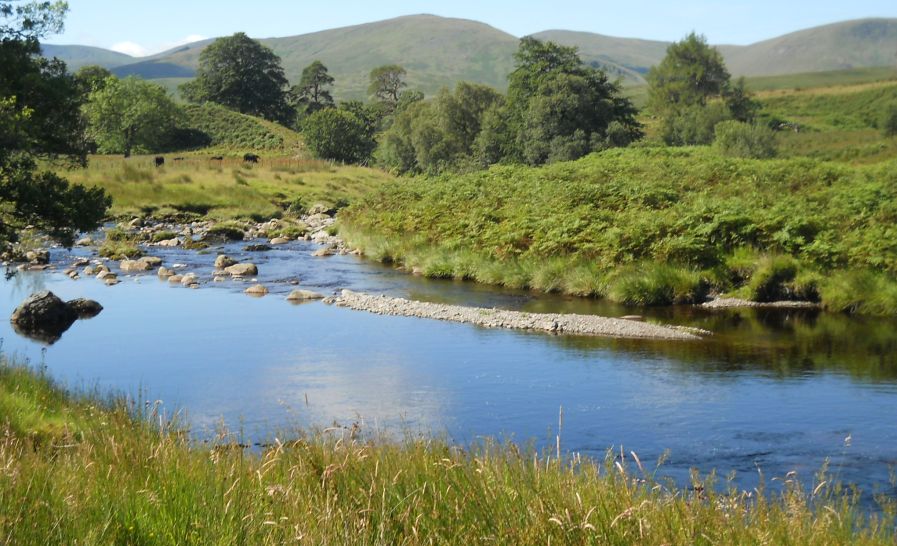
[228, 231]
[694, 125]
[739, 139]
[862, 292]
[771, 278]
[889, 122]
[338, 135]
[119, 250]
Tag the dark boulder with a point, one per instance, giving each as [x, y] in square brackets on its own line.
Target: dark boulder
[45, 317]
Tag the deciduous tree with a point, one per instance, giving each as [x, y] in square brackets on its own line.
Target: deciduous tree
[242, 74]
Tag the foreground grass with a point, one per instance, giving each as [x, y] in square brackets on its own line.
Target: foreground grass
[223, 189]
[82, 471]
[649, 226]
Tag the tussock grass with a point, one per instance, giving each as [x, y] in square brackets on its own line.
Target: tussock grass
[86, 470]
[222, 189]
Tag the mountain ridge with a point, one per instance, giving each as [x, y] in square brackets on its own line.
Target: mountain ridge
[440, 51]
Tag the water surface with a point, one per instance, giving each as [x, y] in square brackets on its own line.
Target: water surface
[771, 391]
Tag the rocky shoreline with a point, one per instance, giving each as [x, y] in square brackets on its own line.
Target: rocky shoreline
[570, 324]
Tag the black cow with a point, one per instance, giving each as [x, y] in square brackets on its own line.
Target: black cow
[179, 159]
[217, 158]
[159, 160]
[250, 158]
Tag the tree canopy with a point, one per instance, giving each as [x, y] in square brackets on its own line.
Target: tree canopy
[339, 135]
[691, 90]
[312, 93]
[130, 113]
[242, 74]
[40, 117]
[387, 83]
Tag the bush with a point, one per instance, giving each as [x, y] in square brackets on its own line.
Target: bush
[338, 135]
[889, 123]
[739, 139]
[694, 125]
[771, 278]
[228, 231]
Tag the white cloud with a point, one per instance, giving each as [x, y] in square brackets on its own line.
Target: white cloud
[129, 48]
[136, 50]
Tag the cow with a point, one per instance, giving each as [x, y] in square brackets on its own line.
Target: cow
[159, 161]
[250, 158]
[217, 158]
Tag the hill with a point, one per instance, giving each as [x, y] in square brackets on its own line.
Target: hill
[436, 51]
[76, 56]
[439, 51]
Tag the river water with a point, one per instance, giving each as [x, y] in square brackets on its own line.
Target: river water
[770, 392]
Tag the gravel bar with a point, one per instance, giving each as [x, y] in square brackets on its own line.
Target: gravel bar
[518, 320]
[732, 303]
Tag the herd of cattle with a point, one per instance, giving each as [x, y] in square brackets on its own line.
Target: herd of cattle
[247, 158]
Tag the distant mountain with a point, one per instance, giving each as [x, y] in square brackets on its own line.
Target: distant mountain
[76, 56]
[440, 51]
[850, 44]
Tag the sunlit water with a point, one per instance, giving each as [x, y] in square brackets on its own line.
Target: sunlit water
[770, 391]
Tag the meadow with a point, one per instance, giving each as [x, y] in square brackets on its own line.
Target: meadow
[223, 189]
[89, 469]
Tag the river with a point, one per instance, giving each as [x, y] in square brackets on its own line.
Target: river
[770, 392]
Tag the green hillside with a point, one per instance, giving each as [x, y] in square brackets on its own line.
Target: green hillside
[849, 44]
[440, 51]
[76, 56]
[633, 56]
[436, 51]
[234, 131]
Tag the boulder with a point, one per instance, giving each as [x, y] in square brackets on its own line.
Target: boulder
[147, 263]
[222, 262]
[44, 316]
[279, 241]
[242, 270]
[304, 295]
[169, 242]
[106, 275]
[152, 261]
[175, 279]
[38, 256]
[164, 272]
[85, 308]
[84, 241]
[256, 290]
[256, 248]
[326, 251]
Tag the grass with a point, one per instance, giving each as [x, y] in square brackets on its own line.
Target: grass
[229, 130]
[643, 226]
[223, 189]
[87, 469]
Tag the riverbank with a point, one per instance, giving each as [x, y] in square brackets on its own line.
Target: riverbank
[648, 226]
[569, 324]
[104, 470]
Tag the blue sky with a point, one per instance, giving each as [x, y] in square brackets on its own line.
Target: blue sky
[146, 27]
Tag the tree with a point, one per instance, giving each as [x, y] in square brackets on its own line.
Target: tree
[559, 108]
[438, 135]
[313, 91]
[40, 117]
[130, 113]
[338, 135]
[691, 91]
[92, 78]
[387, 83]
[739, 139]
[691, 73]
[242, 74]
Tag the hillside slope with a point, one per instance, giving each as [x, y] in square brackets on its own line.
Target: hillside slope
[76, 56]
[439, 51]
[436, 51]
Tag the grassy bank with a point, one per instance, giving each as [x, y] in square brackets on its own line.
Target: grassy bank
[649, 226]
[77, 470]
[223, 189]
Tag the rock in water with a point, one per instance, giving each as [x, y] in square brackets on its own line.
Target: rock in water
[256, 290]
[242, 270]
[45, 317]
[85, 308]
[223, 261]
[304, 295]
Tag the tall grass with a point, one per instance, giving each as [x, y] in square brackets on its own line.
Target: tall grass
[76, 470]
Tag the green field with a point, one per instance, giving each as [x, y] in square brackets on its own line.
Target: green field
[223, 189]
[94, 470]
[650, 226]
